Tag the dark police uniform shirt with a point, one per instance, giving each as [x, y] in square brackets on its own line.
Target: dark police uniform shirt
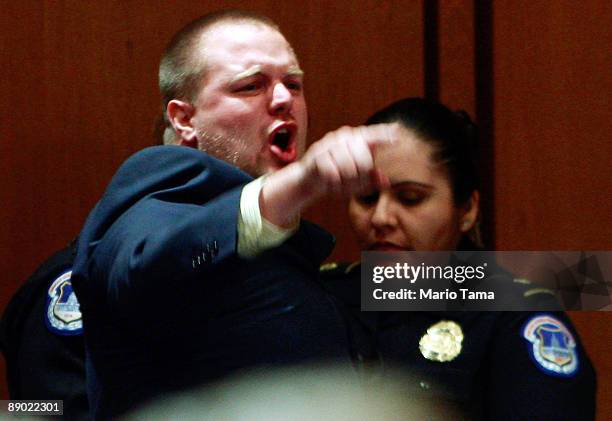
[166, 301]
[41, 335]
[508, 366]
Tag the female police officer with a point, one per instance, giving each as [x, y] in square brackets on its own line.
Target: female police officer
[485, 365]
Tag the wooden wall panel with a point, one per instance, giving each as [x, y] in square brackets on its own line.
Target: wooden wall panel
[465, 83]
[553, 178]
[457, 55]
[552, 151]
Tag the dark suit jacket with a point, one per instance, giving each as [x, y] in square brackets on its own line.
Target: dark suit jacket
[166, 301]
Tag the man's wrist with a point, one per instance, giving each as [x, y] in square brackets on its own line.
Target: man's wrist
[255, 233]
[285, 194]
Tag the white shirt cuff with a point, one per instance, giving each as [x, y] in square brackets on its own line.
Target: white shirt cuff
[255, 233]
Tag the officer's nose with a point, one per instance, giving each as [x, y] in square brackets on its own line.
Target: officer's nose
[383, 217]
[282, 99]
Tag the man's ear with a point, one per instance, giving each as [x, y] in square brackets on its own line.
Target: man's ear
[470, 212]
[179, 114]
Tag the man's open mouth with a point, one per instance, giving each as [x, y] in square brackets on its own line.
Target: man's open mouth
[282, 138]
[283, 143]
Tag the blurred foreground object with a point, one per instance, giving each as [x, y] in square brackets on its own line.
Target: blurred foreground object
[322, 393]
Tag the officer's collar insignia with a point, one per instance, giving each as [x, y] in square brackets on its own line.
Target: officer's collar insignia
[63, 313]
[442, 341]
[552, 345]
[328, 266]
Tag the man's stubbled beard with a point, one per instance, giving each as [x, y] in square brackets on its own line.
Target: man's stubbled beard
[231, 149]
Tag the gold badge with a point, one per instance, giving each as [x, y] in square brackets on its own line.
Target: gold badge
[442, 342]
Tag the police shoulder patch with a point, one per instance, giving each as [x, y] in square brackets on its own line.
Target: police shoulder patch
[551, 345]
[63, 314]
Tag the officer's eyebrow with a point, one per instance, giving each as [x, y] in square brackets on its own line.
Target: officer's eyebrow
[411, 183]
